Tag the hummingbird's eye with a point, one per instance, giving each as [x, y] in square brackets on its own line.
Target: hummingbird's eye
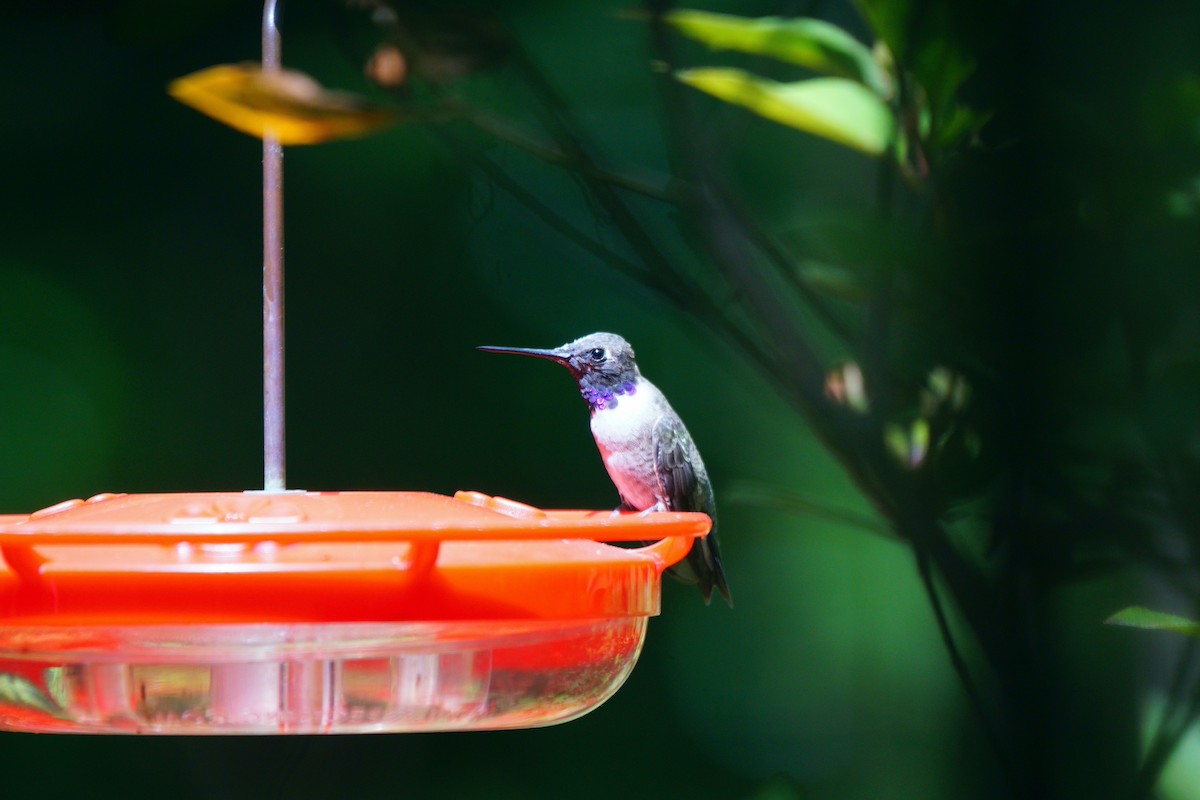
[598, 355]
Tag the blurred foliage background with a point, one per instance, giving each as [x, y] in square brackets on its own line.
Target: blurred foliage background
[921, 571]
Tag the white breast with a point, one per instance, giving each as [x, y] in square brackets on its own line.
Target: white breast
[625, 436]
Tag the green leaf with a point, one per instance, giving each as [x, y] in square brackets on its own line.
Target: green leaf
[896, 441]
[888, 19]
[942, 68]
[1148, 619]
[832, 279]
[919, 434]
[929, 42]
[837, 109]
[909, 446]
[962, 122]
[810, 43]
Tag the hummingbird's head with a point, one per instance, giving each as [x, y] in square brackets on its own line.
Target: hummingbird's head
[600, 357]
[598, 361]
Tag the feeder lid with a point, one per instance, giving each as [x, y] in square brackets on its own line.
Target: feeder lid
[330, 557]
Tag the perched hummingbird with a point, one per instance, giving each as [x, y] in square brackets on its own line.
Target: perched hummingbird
[646, 449]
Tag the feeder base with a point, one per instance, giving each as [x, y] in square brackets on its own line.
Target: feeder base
[312, 678]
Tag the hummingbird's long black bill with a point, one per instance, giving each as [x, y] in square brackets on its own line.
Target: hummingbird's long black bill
[554, 355]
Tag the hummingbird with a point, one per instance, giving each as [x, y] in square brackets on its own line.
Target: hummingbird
[646, 449]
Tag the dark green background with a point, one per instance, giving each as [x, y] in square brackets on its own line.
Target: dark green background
[130, 257]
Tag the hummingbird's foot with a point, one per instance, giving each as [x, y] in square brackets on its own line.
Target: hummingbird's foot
[659, 506]
[621, 509]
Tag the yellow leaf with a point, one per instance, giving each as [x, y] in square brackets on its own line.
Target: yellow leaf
[287, 104]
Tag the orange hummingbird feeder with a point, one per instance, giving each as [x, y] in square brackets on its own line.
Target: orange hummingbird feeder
[287, 611]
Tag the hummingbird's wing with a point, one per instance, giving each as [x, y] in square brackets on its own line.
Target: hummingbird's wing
[675, 474]
[682, 490]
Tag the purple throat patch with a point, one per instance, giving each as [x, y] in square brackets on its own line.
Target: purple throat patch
[606, 398]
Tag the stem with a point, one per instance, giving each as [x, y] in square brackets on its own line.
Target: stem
[961, 669]
[509, 133]
[273, 422]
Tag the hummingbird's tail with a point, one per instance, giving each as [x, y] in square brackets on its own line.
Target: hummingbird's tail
[703, 567]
